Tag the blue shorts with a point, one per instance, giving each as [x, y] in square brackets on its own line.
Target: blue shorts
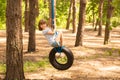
[55, 44]
[56, 34]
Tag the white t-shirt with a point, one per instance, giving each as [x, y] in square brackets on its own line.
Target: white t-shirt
[49, 37]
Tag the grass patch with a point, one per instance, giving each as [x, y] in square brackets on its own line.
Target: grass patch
[30, 66]
[108, 53]
[2, 68]
[119, 52]
[2, 26]
[62, 60]
[89, 57]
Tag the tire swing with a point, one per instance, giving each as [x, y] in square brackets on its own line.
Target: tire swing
[61, 58]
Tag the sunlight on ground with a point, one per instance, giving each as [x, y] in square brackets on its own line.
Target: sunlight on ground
[2, 40]
[110, 68]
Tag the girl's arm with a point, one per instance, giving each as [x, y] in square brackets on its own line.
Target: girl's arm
[50, 32]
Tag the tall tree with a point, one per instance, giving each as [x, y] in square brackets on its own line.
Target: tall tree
[32, 18]
[100, 17]
[26, 15]
[45, 1]
[14, 47]
[50, 15]
[79, 36]
[74, 16]
[95, 28]
[69, 15]
[108, 21]
[37, 8]
[93, 11]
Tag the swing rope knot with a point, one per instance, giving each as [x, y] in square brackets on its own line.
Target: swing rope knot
[59, 49]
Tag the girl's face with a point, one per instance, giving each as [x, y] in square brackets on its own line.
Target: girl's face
[43, 26]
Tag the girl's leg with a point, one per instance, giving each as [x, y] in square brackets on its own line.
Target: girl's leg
[59, 38]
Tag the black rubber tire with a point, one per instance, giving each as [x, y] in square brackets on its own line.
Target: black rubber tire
[55, 64]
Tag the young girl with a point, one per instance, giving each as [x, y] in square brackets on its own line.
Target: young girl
[54, 38]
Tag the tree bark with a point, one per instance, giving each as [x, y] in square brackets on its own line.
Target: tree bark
[32, 17]
[45, 1]
[50, 14]
[100, 17]
[109, 15]
[95, 29]
[14, 47]
[79, 36]
[69, 15]
[26, 15]
[74, 16]
[93, 12]
[37, 8]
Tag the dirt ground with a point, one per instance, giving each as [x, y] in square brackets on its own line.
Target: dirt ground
[93, 61]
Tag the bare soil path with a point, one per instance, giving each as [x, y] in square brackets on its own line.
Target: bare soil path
[93, 61]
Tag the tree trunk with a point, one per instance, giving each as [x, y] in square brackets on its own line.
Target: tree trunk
[69, 15]
[79, 36]
[45, 1]
[74, 16]
[32, 17]
[100, 17]
[95, 29]
[14, 47]
[50, 14]
[37, 8]
[26, 15]
[107, 28]
[93, 23]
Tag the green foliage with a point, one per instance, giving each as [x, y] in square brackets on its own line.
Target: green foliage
[116, 14]
[92, 7]
[2, 13]
[116, 4]
[115, 22]
[2, 10]
[2, 26]
[62, 8]
[43, 10]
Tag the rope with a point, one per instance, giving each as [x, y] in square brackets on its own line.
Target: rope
[52, 7]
